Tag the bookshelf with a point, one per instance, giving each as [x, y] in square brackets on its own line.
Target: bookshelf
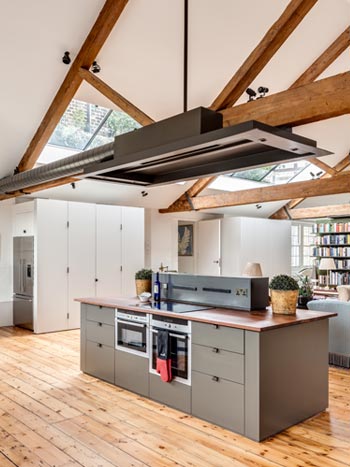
[332, 240]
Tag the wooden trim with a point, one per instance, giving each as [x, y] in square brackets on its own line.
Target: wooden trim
[41, 187]
[264, 51]
[100, 31]
[115, 97]
[325, 59]
[338, 184]
[339, 210]
[326, 98]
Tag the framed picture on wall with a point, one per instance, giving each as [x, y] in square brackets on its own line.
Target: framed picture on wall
[185, 240]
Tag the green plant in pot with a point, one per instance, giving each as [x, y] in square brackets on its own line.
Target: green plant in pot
[143, 279]
[305, 290]
[284, 294]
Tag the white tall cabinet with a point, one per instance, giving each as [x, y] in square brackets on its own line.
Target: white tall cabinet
[81, 250]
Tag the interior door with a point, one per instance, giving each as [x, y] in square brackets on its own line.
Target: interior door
[81, 257]
[108, 251]
[209, 248]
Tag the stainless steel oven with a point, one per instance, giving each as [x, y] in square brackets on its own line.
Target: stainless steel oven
[180, 346]
[131, 332]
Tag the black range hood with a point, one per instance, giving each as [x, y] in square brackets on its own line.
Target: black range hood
[194, 144]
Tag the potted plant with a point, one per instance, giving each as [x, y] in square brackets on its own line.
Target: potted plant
[284, 294]
[305, 290]
[143, 279]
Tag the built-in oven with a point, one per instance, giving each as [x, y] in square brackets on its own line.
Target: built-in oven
[179, 343]
[131, 332]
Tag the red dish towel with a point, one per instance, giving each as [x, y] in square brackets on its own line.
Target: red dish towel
[163, 356]
[164, 368]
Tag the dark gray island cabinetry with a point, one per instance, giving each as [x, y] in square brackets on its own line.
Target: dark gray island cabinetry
[253, 373]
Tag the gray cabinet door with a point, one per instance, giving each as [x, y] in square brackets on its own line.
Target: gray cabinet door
[218, 336]
[99, 361]
[175, 394]
[217, 362]
[131, 372]
[219, 401]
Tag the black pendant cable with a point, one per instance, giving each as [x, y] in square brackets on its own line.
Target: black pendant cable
[185, 53]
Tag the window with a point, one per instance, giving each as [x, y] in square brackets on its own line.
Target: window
[302, 242]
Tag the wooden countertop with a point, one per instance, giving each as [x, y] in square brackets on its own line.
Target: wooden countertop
[257, 321]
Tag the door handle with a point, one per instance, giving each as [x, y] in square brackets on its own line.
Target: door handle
[215, 379]
[215, 350]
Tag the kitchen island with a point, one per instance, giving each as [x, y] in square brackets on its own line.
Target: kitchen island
[254, 373]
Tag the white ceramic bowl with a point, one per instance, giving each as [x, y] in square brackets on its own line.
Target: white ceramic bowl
[144, 297]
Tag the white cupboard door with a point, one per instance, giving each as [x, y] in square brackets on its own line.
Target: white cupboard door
[81, 257]
[50, 267]
[133, 247]
[209, 249]
[108, 251]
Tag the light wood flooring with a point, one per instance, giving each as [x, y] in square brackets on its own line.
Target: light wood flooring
[53, 415]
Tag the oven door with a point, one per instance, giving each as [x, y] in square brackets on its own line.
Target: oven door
[131, 337]
[180, 353]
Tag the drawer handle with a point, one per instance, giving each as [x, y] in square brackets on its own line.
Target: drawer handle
[215, 350]
[216, 326]
[215, 378]
[100, 324]
[100, 306]
[99, 345]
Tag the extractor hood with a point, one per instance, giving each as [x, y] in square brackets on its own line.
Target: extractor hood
[194, 144]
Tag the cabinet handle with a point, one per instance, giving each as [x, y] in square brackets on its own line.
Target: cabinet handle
[216, 326]
[215, 350]
[96, 280]
[100, 307]
[215, 378]
[100, 324]
[99, 345]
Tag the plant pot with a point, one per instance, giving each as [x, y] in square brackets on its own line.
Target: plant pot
[302, 301]
[284, 302]
[143, 285]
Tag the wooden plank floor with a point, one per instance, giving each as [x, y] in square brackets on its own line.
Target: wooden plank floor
[53, 415]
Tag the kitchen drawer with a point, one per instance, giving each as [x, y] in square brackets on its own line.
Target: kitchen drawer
[220, 402]
[217, 362]
[132, 372]
[101, 314]
[100, 361]
[218, 336]
[100, 333]
[174, 394]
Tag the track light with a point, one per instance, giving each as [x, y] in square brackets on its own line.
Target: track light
[258, 206]
[73, 185]
[251, 93]
[262, 91]
[95, 67]
[144, 193]
[66, 58]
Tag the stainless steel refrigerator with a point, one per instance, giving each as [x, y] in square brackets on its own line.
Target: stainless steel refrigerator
[23, 273]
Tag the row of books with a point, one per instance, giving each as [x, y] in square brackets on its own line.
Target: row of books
[333, 240]
[331, 251]
[325, 227]
[335, 278]
[339, 263]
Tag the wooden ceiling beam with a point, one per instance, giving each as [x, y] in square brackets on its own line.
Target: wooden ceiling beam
[322, 165]
[337, 210]
[334, 185]
[114, 96]
[325, 59]
[264, 51]
[192, 192]
[99, 33]
[42, 186]
[323, 99]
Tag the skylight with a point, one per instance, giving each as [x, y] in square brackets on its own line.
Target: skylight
[85, 125]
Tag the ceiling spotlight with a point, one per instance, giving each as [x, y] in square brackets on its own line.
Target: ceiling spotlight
[73, 185]
[66, 58]
[262, 91]
[144, 193]
[95, 67]
[251, 93]
[319, 174]
[258, 206]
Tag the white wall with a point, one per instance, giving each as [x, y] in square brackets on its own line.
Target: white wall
[161, 237]
[6, 263]
[264, 241]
